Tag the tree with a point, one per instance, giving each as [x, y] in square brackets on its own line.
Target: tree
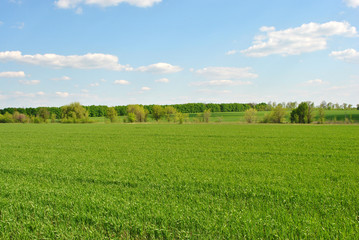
[250, 115]
[111, 114]
[278, 114]
[303, 113]
[44, 114]
[206, 115]
[157, 112]
[321, 115]
[169, 111]
[139, 111]
[75, 113]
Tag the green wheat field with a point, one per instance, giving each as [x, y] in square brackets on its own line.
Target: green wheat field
[169, 181]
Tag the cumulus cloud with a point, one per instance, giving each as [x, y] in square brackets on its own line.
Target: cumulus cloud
[231, 52]
[94, 84]
[29, 82]
[62, 94]
[211, 91]
[352, 3]
[315, 82]
[163, 80]
[145, 88]
[348, 55]
[162, 68]
[19, 25]
[231, 73]
[293, 41]
[121, 82]
[87, 61]
[63, 78]
[104, 3]
[12, 74]
[221, 83]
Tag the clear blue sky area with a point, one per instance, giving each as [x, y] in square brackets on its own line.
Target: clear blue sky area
[118, 52]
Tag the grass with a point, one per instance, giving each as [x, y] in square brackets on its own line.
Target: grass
[204, 181]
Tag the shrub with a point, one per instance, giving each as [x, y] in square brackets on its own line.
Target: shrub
[157, 112]
[74, 113]
[303, 113]
[206, 115]
[277, 115]
[250, 115]
[169, 112]
[44, 114]
[131, 117]
[139, 111]
[111, 114]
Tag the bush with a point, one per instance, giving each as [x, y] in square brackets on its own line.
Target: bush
[6, 118]
[157, 112]
[139, 111]
[169, 112]
[303, 113]
[250, 115]
[277, 115]
[74, 113]
[111, 114]
[206, 115]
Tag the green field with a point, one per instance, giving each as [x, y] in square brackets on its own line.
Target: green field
[195, 181]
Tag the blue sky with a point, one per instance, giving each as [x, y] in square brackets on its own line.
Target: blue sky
[119, 52]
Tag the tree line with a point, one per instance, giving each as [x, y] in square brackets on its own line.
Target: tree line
[101, 110]
[76, 113]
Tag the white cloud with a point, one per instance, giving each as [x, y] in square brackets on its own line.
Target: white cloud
[19, 25]
[163, 80]
[231, 52]
[315, 82]
[293, 41]
[145, 88]
[348, 55]
[29, 82]
[352, 3]
[121, 82]
[230, 73]
[87, 61]
[84, 90]
[94, 84]
[79, 10]
[212, 91]
[221, 83]
[162, 68]
[12, 74]
[62, 94]
[1, 23]
[63, 78]
[103, 80]
[104, 3]
[40, 93]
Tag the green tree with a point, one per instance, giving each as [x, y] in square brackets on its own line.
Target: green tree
[44, 114]
[303, 113]
[75, 113]
[157, 112]
[111, 114]
[139, 111]
[321, 113]
[206, 115]
[169, 112]
[250, 115]
[277, 115]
